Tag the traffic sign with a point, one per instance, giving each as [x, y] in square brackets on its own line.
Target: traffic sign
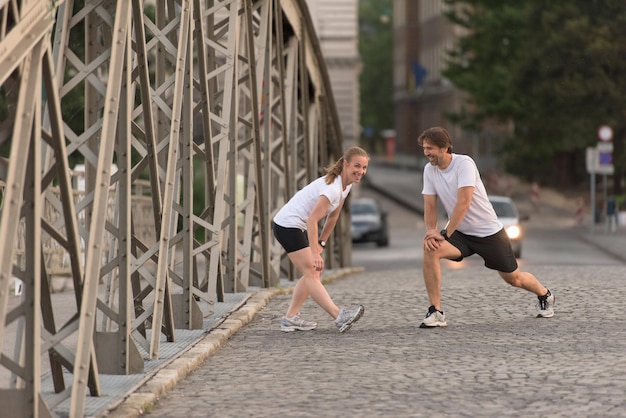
[605, 133]
[599, 159]
[604, 146]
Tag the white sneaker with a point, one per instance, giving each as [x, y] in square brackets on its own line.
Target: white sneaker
[546, 305]
[347, 317]
[434, 318]
[296, 324]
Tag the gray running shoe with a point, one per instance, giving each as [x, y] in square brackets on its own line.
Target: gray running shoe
[546, 305]
[347, 317]
[434, 318]
[296, 323]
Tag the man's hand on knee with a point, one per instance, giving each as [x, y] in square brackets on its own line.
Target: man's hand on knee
[431, 244]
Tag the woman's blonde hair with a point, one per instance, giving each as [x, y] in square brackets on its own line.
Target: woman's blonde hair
[335, 169]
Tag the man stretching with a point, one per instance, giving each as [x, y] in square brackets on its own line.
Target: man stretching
[473, 227]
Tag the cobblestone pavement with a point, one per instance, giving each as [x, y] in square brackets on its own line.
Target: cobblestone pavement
[494, 358]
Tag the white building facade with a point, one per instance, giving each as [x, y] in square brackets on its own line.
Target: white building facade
[337, 25]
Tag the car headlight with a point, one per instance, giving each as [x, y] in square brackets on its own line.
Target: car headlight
[514, 232]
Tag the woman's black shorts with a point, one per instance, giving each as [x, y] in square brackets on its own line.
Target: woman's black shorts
[292, 239]
[494, 249]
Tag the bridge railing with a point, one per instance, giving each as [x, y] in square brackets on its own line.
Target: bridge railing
[218, 110]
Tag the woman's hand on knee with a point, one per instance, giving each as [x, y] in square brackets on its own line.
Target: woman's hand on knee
[318, 262]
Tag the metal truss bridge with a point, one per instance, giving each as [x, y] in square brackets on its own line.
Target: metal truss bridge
[194, 121]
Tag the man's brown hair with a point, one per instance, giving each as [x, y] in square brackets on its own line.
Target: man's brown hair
[436, 136]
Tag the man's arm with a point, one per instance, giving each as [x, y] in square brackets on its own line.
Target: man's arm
[432, 236]
[464, 199]
[430, 211]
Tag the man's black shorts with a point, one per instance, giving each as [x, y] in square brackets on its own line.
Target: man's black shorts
[494, 249]
[292, 239]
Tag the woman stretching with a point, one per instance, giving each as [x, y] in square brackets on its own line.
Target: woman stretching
[295, 227]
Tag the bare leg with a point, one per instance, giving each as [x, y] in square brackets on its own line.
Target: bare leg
[524, 280]
[431, 268]
[298, 297]
[310, 284]
[432, 278]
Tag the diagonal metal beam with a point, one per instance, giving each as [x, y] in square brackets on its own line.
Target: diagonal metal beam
[120, 42]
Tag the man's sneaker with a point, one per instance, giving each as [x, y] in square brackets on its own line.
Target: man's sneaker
[296, 324]
[546, 305]
[347, 317]
[434, 318]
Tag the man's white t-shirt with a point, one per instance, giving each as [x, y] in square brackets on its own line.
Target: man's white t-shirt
[480, 219]
[296, 212]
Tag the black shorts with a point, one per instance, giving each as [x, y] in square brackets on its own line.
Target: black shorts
[494, 249]
[292, 239]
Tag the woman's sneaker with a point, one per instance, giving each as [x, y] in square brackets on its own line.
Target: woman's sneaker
[347, 317]
[434, 318]
[296, 323]
[546, 305]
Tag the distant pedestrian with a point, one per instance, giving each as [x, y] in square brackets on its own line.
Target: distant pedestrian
[534, 196]
[580, 209]
[611, 214]
[472, 228]
[296, 229]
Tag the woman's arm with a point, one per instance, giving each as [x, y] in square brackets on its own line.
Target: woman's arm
[331, 221]
[319, 210]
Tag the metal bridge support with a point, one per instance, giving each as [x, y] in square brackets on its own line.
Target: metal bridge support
[195, 120]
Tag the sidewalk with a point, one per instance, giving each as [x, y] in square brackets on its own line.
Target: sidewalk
[130, 395]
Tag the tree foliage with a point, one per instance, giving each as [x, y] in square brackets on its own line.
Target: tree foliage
[553, 69]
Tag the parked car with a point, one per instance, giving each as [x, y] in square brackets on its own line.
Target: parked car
[507, 213]
[369, 221]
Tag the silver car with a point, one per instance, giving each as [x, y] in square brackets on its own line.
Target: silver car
[507, 213]
[369, 222]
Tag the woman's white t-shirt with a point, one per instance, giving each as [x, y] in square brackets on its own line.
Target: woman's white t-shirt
[480, 219]
[296, 212]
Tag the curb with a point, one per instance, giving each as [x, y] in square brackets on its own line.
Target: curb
[145, 397]
[613, 252]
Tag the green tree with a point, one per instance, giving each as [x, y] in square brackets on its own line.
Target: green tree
[551, 68]
[376, 79]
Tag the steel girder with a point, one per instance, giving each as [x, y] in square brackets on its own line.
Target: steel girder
[200, 119]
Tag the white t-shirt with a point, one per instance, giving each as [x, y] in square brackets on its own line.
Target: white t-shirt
[480, 219]
[298, 209]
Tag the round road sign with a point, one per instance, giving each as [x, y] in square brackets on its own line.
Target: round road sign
[605, 133]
